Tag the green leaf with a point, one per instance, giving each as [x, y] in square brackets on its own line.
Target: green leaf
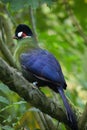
[4, 100]
[11, 105]
[7, 128]
[80, 10]
[34, 109]
[16, 5]
[4, 88]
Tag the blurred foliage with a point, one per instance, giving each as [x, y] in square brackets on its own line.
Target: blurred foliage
[57, 32]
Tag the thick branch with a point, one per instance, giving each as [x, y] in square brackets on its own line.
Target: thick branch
[17, 83]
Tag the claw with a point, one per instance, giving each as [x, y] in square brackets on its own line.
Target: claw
[35, 83]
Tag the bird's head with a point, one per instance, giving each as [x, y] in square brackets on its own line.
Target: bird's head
[22, 31]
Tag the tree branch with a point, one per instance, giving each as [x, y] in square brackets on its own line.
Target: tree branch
[31, 94]
[6, 24]
[45, 121]
[32, 20]
[6, 53]
[6, 35]
[83, 119]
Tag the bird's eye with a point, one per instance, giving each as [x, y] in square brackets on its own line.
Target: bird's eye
[20, 34]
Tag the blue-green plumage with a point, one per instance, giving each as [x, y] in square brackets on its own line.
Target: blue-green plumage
[43, 65]
[40, 66]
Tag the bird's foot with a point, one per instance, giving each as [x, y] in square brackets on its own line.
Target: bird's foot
[35, 83]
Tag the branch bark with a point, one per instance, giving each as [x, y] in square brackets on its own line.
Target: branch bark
[16, 82]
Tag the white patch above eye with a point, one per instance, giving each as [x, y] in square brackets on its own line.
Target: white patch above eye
[20, 34]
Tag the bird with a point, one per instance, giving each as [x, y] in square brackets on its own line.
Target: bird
[41, 67]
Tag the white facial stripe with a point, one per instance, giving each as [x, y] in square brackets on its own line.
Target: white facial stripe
[20, 34]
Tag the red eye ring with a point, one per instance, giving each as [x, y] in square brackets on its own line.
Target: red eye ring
[24, 35]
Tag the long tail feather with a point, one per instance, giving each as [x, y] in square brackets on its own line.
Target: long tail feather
[70, 114]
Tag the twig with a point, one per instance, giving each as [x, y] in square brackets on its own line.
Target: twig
[39, 120]
[32, 20]
[50, 124]
[6, 25]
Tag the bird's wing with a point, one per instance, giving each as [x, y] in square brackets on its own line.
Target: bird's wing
[43, 64]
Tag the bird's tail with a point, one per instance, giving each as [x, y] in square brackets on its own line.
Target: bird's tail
[70, 115]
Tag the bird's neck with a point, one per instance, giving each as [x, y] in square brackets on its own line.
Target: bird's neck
[27, 44]
[24, 46]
